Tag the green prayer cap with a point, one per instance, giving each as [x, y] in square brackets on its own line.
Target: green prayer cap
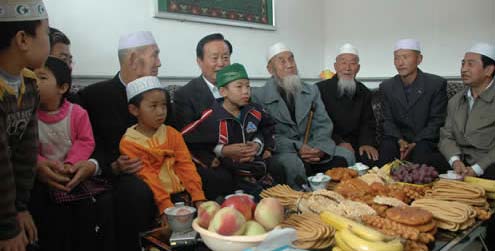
[231, 73]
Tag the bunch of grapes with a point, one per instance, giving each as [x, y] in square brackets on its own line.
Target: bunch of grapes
[414, 173]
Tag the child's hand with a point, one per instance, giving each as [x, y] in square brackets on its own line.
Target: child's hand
[198, 203]
[82, 170]
[48, 173]
[266, 154]
[124, 164]
[68, 171]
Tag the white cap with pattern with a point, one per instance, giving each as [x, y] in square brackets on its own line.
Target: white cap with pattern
[348, 48]
[22, 10]
[141, 85]
[276, 49]
[484, 49]
[136, 39]
[407, 44]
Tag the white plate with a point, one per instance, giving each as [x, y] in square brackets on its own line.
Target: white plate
[450, 176]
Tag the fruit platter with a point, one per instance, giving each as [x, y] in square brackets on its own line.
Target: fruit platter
[238, 223]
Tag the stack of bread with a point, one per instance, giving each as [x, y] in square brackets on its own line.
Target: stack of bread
[324, 200]
[462, 192]
[450, 215]
[311, 232]
[413, 224]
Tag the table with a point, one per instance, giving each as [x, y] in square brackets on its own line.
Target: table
[446, 240]
[158, 240]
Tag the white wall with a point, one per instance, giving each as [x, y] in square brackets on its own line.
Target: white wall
[94, 27]
[313, 28]
[445, 29]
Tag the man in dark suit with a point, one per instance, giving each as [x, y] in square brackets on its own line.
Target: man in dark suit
[106, 103]
[212, 54]
[348, 104]
[414, 107]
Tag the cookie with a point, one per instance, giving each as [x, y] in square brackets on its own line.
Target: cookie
[411, 216]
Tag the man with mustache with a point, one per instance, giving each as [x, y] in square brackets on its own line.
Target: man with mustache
[289, 101]
[348, 104]
[467, 140]
[414, 107]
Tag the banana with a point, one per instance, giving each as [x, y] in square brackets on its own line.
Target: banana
[488, 185]
[337, 249]
[359, 244]
[387, 167]
[490, 195]
[340, 223]
[340, 243]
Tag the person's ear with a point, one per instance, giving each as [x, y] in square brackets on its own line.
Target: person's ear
[63, 88]
[269, 68]
[133, 109]
[223, 91]
[489, 70]
[420, 58]
[22, 40]
[199, 61]
[358, 68]
[133, 58]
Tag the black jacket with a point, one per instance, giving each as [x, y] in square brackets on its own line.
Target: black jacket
[106, 103]
[420, 117]
[353, 118]
[217, 126]
[190, 101]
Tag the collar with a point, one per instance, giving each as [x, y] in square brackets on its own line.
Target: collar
[53, 117]
[122, 81]
[8, 78]
[482, 95]
[213, 88]
[223, 114]
[209, 84]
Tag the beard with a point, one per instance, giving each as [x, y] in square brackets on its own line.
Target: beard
[346, 87]
[290, 84]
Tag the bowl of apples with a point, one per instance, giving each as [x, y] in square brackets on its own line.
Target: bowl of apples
[238, 223]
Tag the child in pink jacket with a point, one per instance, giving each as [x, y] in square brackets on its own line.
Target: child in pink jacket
[65, 219]
[65, 132]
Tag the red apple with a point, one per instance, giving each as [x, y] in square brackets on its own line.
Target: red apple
[206, 211]
[269, 213]
[241, 203]
[228, 221]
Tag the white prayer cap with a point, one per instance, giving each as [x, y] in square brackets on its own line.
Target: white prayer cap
[136, 39]
[22, 10]
[276, 49]
[141, 85]
[348, 49]
[484, 49]
[407, 44]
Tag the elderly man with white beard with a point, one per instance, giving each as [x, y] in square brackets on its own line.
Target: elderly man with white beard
[348, 104]
[290, 102]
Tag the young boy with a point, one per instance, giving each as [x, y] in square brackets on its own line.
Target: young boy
[23, 44]
[233, 135]
[167, 166]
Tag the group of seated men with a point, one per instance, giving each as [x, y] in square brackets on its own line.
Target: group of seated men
[251, 138]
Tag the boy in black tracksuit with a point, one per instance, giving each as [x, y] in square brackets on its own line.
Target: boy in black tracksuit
[232, 141]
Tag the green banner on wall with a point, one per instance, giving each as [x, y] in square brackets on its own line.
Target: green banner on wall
[233, 12]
